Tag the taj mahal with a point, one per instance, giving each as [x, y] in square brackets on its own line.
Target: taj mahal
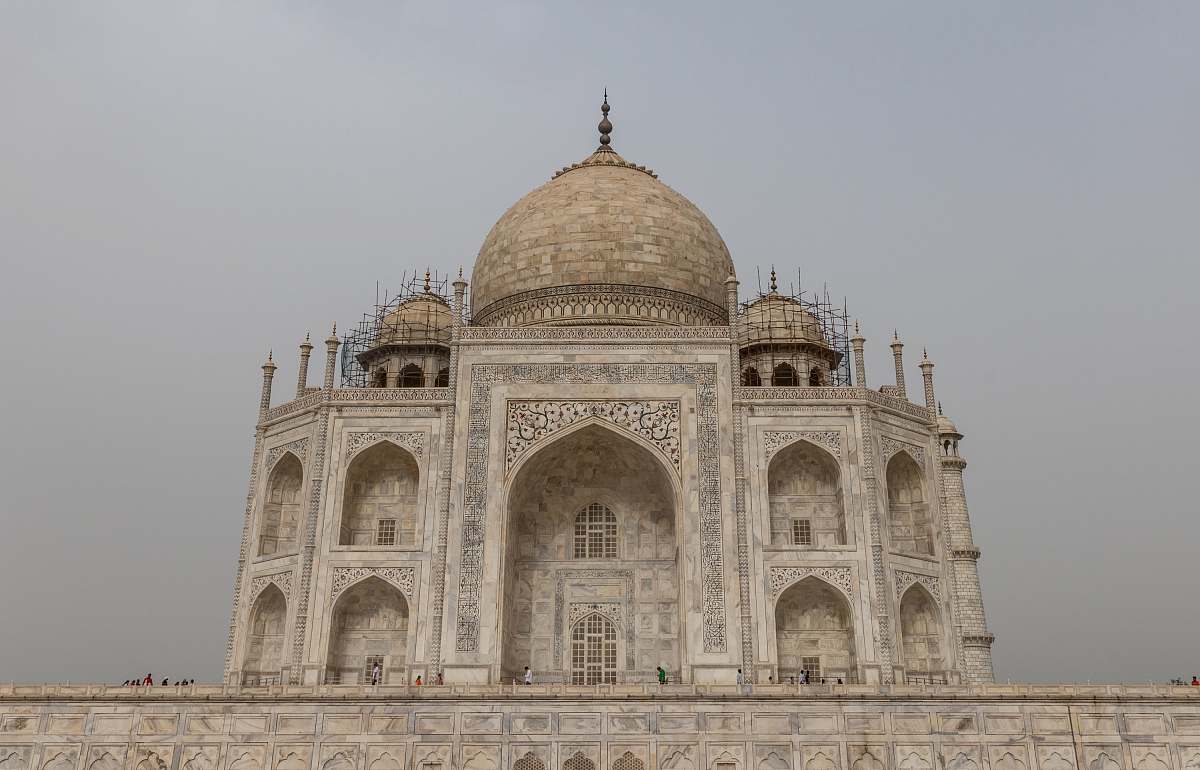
[600, 457]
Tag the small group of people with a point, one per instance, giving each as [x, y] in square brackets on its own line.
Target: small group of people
[148, 681]
[805, 678]
[377, 676]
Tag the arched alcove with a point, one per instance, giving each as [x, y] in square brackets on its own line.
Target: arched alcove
[804, 491]
[591, 521]
[750, 377]
[411, 376]
[909, 525]
[814, 632]
[921, 636]
[379, 506]
[370, 623]
[784, 374]
[263, 658]
[279, 524]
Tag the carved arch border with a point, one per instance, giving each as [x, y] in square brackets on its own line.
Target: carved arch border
[628, 416]
[906, 580]
[775, 441]
[702, 377]
[281, 580]
[781, 579]
[359, 441]
[298, 448]
[889, 446]
[344, 578]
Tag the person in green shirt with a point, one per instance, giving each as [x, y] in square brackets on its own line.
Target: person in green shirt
[662, 675]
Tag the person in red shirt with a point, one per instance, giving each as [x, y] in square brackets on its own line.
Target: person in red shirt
[1195, 681]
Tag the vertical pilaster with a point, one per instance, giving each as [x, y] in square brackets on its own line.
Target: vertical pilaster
[879, 589]
[316, 487]
[438, 569]
[927, 375]
[975, 640]
[739, 484]
[302, 378]
[260, 432]
[898, 355]
[860, 363]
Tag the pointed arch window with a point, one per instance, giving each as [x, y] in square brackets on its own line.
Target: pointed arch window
[411, 376]
[750, 377]
[594, 651]
[596, 533]
[784, 375]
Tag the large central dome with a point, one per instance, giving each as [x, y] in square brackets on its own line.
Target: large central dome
[603, 242]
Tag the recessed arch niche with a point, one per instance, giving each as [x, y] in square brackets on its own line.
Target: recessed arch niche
[814, 632]
[263, 660]
[546, 580]
[279, 524]
[909, 525]
[921, 637]
[804, 490]
[370, 622]
[379, 505]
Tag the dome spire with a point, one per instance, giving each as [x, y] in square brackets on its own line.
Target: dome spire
[606, 125]
[774, 284]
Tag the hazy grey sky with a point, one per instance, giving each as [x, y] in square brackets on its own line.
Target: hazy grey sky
[184, 185]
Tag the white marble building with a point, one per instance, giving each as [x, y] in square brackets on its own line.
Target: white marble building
[601, 460]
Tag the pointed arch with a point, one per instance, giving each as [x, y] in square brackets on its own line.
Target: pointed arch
[750, 377]
[379, 502]
[594, 650]
[369, 623]
[279, 521]
[805, 500]
[784, 375]
[411, 376]
[814, 631]
[910, 527]
[922, 636]
[262, 661]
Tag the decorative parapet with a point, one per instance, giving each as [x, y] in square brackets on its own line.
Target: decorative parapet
[783, 577]
[774, 440]
[972, 553]
[832, 393]
[389, 395]
[357, 442]
[537, 334]
[531, 421]
[979, 640]
[401, 577]
[295, 405]
[931, 583]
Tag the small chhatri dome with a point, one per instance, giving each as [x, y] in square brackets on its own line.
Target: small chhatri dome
[604, 242]
[775, 319]
[423, 320]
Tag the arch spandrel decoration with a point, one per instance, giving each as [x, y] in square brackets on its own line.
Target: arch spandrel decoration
[701, 377]
[775, 440]
[782, 578]
[931, 583]
[610, 610]
[299, 447]
[531, 421]
[281, 580]
[403, 578]
[412, 441]
[890, 446]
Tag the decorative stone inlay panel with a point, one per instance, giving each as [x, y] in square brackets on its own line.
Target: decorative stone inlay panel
[296, 405]
[299, 447]
[283, 580]
[890, 446]
[615, 608]
[401, 577]
[392, 394]
[610, 610]
[531, 421]
[356, 442]
[882, 630]
[782, 577]
[774, 440]
[484, 377]
[905, 579]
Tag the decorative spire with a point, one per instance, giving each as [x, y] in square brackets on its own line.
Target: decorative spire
[606, 125]
[774, 284]
[939, 407]
[426, 280]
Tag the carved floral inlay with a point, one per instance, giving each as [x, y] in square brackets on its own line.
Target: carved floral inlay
[299, 447]
[774, 440]
[531, 421]
[891, 446]
[401, 577]
[283, 580]
[356, 442]
[782, 577]
[610, 610]
[906, 579]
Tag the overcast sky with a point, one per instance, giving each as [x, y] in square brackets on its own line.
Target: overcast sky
[185, 185]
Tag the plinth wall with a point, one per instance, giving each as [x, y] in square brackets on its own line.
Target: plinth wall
[623, 727]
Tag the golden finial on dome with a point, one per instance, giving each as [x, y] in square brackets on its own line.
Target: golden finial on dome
[606, 125]
[774, 284]
[426, 280]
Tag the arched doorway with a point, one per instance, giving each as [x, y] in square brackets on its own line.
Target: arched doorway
[263, 660]
[804, 488]
[279, 525]
[370, 624]
[591, 529]
[814, 632]
[909, 525]
[594, 650]
[921, 637]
